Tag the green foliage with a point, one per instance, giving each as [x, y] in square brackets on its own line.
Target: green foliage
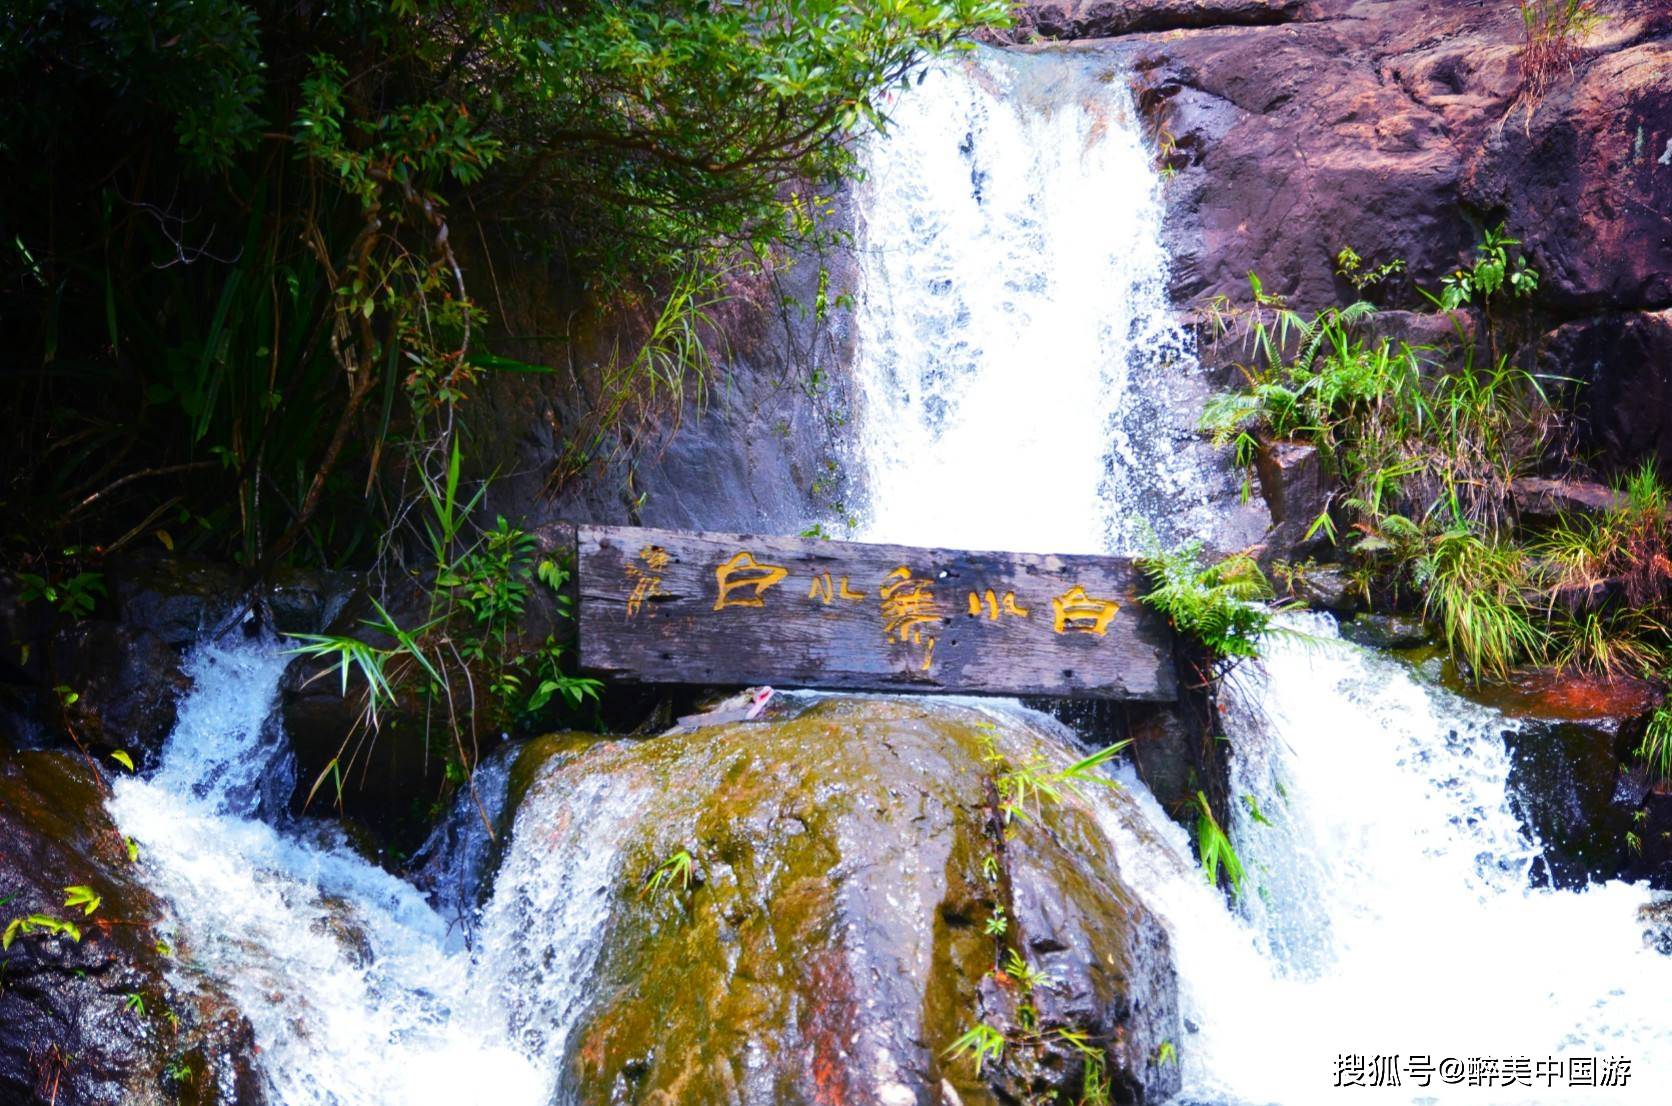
[1220, 606]
[1094, 1086]
[1166, 1053]
[1427, 442]
[676, 869]
[38, 923]
[82, 896]
[1027, 977]
[241, 316]
[1023, 787]
[997, 924]
[1403, 437]
[74, 596]
[1214, 849]
[1493, 272]
[981, 1043]
[1655, 750]
[1473, 592]
[178, 1070]
[1351, 268]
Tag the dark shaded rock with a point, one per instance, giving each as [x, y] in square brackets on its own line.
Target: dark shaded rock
[122, 684]
[1078, 19]
[1163, 751]
[1386, 631]
[757, 448]
[832, 943]
[1623, 363]
[71, 1037]
[1573, 742]
[1325, 588]
[173, 599]
[1297, 491]
[1544, 500]
[1648, 853]
[179, 599]
[1586, 178]
[1656, 920]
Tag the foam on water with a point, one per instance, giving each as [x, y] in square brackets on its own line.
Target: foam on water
[355, 993]
[1389, 907]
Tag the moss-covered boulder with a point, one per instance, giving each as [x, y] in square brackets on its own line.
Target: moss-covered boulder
[91, 1015]
[816, 910]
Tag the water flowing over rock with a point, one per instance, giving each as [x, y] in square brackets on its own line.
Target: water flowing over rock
[832, 940]
[74, 1032]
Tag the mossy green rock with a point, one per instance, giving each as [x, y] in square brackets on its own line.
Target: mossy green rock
[831, 941]
[69, 1033]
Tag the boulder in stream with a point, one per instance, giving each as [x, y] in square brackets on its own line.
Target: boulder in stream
[817, 910]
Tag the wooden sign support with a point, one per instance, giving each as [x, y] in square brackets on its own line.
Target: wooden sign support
[667, 606]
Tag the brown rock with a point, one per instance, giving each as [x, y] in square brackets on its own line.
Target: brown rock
[1297, 491]
[831, 942]
[1081, 19]
[1623, 363]
[1538, 499]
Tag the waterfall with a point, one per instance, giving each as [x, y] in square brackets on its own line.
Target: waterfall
[1021, 387]
[357, 992]
[1015, 343]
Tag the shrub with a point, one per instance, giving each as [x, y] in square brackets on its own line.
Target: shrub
[1219, 606]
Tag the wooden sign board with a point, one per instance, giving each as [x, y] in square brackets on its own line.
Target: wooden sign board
[667, 606]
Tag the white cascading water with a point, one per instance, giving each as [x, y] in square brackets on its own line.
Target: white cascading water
[357, 993]
[1012, 398]
[1015, 347]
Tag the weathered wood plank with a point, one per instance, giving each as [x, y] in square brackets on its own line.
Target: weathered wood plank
[664, 606]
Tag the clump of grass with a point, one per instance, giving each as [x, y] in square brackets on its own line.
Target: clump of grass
[1655, 751]
[981, 1043]
[1553, 30]
[1214, 848]
[1475, 593]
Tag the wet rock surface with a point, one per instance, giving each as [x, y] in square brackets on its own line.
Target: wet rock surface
[1572, 769]
[1297, 490]
[107, 680]
[831, 937]
[97, 1021]
[1386, 631]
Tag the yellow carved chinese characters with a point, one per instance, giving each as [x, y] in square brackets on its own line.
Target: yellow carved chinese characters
[1076, 612]
[741, 573]
[908, 605]
[997, 607]
[826, 591]
[647, 581]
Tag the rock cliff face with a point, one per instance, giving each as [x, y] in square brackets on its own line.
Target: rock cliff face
[1401, 129]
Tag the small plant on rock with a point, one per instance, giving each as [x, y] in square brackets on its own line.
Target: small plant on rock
[981, 1043]
[1553, 29]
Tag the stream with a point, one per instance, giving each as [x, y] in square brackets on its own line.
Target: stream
[1023, 386]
